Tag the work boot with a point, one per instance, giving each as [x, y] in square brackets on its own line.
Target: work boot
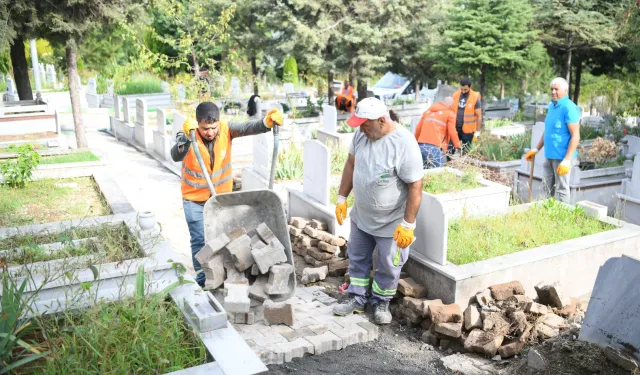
[381, 313]
[347, 307]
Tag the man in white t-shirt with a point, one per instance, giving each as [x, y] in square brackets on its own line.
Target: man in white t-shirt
[384, 170]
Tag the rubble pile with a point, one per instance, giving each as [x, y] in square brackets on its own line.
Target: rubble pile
[247, 269]
[500, 321]
[326, 253]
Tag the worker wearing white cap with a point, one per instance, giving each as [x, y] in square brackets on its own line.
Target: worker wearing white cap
[384, 170]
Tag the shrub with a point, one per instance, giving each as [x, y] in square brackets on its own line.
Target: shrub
[289, 164]
[493, 149]
[17, 174]
[140, 85]
[290, 73]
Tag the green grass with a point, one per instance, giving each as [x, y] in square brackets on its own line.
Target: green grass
[41, 201]
[141, 85]
[489, 148]
[587, 132]
[333, 196]
[289, 165]
[115, 240]
[497, 123]
[38, 147]
[475, 239]
[447, 182]
[119, 338]
[74, 157]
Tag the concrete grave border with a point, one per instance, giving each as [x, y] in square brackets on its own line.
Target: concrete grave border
[574, 263]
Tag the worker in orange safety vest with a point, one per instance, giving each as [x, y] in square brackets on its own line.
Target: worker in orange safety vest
[436, 128]
[468, 107]
[345, 100]
[214, 137]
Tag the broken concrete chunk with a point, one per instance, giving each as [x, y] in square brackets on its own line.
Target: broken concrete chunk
[328, 248]
[411, 316]
[236, 233]
[445, 313]
[256, 290]
[484, 298]
[311, 232]
[212, 248]
[472, 318]
[544, 331]
[413, 304]
[295, 231]
[430, 338]
[449, 329]
[298, 222]
[237, 298]
[278, 312]
[535, 360]
[319, 255]
[265, 233]
[313, 261]
[338, 267]
[410, 288]
[486, 343]
[214, 271]
[312, 275]
[550, 295]
[267, 256]
[500, 292]
[317, 224]
[495, 321]
[621, 359]
[509, 350]
[255, 270]
[279, 279]
[240, 251]
[554, 321]
[535, 308]
[425, 306]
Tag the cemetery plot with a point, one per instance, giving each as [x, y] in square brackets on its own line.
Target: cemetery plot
[449, 182]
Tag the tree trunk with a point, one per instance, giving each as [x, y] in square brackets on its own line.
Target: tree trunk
[330, 87]
[74, 90]
[521, 94]
[254, 70]
[483, 77]
[568, 67]
[352, 75]
[196, 67]
[417, 88]
[21, 69]
[576, 91]
[362, 89]
[501, 90]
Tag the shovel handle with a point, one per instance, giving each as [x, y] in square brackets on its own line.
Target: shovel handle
[274, 156]
[533, 164]
[203, 168]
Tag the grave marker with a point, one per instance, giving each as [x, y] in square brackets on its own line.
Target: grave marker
[116, 107]
[261, 155]
[141, 112]
[125, 110]
[288, 88]
[165, 87]
[317, 164]
[182, 95]
[92, 87]
[329, 118]
[432, 228]
[161, 122]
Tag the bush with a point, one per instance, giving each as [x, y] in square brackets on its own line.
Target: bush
[290, 73]
[493, 149]
[140, 85]
[17, 174]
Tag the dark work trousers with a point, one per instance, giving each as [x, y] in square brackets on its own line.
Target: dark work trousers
[465, 138]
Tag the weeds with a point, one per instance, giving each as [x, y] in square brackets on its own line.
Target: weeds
[74, 157]
[475, 239]
[448, 182]
[497, 123]
[587, 132]
[290, 164]
[140, 85]
[339, 156]
[489, 148]
[16, 173]
[344, 128]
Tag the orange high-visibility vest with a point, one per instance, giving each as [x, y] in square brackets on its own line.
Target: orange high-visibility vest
[347, 92]
[437, 126]
[194, 186]
[470, 123]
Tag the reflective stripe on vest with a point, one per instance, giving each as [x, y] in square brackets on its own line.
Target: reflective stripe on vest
[200, 175]
[436, 121]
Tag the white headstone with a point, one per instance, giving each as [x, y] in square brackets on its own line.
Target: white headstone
[110, 89]
[261, 155]
[116, 107]
[317, 164]
[536, 133]
[432, 229]
[51, 75]
[182, 95]
[288, 88]
[141, 112]
[92, 86]
[10, 86]
[633, 144]
[125, 110]
[329, 118]
[178, 120]
[634, 187]
[235, 87]
[161, 122]
[165, 87]
[42, 72]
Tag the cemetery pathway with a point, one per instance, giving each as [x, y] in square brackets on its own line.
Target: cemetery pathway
[148, 186]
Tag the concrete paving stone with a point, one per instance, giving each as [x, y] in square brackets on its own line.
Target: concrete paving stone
[279, 275]
[271, 356]
[325, 342]
[318, 254]
[268, 255]
[256, 290]
[351, 335]
[409, 287]
[294, 231]
[372, 330]
[237, 299]
[296, 349]
[330, 324]
[303, 322]
[251, 335]
[240, 250]
[294, 334]
[317, 224]
[312, 275]
[270, 338]
[313, 288]
[278, 312]
[212, 248]
[281, 329]
[265, 233]
[325, 299]
[318, 328]
[326, 247]
[300, 332]
[298, 222]
[449, 329]
[445, 313]
[350, 319]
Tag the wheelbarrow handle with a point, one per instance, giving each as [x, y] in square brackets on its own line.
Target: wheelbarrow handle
[274, 156]
[203, 168]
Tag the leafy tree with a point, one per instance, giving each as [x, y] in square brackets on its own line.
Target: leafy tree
[485, 35]
[570, 26]
[70, 22]
[19, 19]
[290, 72]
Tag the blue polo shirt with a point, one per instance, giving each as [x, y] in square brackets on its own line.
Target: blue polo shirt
[556, 131]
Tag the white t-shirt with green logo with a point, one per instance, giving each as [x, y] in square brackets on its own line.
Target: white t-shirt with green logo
[383, 168]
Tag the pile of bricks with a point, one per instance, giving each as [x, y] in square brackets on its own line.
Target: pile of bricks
[247, 269]
[500, 322]
[326, 253]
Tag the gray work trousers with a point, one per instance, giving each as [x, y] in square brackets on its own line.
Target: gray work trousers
[555, 185]
[390, 260]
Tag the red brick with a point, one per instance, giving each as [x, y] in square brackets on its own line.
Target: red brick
[445, 313]
[501, 292]
[338, 268]
[410, 288]
[278, 312]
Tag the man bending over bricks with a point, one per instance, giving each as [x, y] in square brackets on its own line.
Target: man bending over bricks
[384, 170]
[214, 137]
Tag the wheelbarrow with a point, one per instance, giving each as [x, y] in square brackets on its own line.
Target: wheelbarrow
[226, 212]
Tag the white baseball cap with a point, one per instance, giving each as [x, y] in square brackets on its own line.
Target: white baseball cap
[368, 109]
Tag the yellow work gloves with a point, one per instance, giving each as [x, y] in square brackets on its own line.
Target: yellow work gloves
[189, 125]
[404, 234]
[341, 209]
[564, 167]
[531, 154]
[273, 117]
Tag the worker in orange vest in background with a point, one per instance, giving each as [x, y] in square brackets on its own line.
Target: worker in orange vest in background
[468, 107]
[436, 128]
[345, 100]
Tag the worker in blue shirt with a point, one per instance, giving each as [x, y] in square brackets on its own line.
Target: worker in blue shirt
[560, 140]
